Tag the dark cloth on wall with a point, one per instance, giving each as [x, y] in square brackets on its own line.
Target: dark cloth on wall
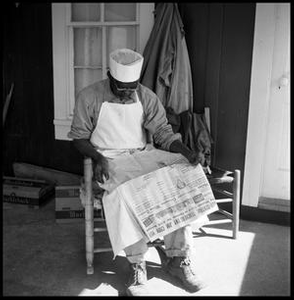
[194, 131]
[166, 69]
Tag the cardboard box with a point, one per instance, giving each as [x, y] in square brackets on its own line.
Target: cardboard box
[27, 191]
[68, 206]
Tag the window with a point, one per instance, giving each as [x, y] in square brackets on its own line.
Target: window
[83, 36]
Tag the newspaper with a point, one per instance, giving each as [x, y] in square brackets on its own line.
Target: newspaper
[123, 223]
[169, 198]
[127, 167]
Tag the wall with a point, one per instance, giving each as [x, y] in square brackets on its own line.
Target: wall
[219, 39]
[28, 134]
[220, 42]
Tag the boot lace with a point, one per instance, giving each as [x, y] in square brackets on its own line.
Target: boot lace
[187, 265]
[138, 274]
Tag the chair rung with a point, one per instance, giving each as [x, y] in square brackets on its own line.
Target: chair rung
[102, 250]
[226, 213]
[224, 192]
[99, 219]
[100, 229]
[218, 222]
[224, 200]
[225, 179]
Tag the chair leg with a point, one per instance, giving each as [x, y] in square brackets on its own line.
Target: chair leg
[236, 203]
[89, 216]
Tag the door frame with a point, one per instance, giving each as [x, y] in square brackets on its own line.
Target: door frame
[262, 61]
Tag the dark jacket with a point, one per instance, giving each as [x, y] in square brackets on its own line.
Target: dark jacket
[194, 131]
[166, 69]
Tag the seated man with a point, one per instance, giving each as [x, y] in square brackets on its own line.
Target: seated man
[112, 118]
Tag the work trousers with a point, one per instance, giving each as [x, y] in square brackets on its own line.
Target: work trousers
[177, 243]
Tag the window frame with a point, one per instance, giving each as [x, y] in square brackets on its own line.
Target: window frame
[63, 55]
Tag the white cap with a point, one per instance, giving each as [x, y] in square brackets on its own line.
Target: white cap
[125, 65]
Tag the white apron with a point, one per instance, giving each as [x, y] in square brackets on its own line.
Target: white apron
[118, 132]
[119, 128]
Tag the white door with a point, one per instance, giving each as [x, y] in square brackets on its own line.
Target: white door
[276, 164]
[266, 181]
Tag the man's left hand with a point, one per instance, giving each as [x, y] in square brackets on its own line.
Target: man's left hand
[196, 157]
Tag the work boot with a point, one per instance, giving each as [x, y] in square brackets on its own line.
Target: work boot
[138, 278]
[182, 269]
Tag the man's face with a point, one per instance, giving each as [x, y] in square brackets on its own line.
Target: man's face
[121, 89]
[124, 92]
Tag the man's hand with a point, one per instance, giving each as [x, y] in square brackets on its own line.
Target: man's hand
[196, 157]
[193, 157]
[100, 163]
[101, 169]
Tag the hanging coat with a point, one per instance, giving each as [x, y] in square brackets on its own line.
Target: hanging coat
[166, 69]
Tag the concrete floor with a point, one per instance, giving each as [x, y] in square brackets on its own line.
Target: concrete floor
[44, 258]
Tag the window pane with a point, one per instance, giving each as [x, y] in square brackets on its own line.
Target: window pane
[84, 77]
[82, 12]
[120, 37]
[120, 11]
[87, 47]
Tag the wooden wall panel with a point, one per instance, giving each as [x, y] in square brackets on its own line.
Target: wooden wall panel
[234, 87]
[220, 42]
[28, 134]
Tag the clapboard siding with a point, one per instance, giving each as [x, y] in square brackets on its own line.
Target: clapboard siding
[220, 43]
[29, 131]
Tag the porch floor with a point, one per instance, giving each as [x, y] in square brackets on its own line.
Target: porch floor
[45, 258]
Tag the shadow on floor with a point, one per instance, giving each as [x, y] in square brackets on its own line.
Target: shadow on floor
[268, 266]
[264, 267]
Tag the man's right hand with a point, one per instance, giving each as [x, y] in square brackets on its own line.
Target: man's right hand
[100, 163]
[101, 169]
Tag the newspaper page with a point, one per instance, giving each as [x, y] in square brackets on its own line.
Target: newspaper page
[127, 167]
[168, 198]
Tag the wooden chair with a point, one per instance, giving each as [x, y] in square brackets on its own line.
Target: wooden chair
[89, 218]
[226, 188]
[216, 179]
